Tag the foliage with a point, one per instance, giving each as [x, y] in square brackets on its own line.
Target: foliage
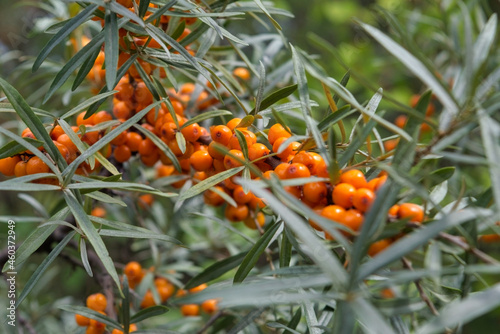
[391, 273]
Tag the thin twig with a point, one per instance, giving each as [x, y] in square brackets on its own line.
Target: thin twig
[465, 246]
[210, 322]
[423, 294]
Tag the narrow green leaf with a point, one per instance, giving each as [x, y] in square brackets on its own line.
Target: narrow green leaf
[490, 135]
[209, 182]
[105, 198]
[143, 7]
[147, 81]
[111, 47]
[464, 311]
[137, 235]
[264, 9]
[87, 66]
[294, 322]
[275, 97]
[86, 103]
[147, 313]
[64, 32]
[12, 148]
[42, 267]
[126, 305]
[30, 119]
[92, 235]
[86, 312]
[216, 270]
[242, 141]
[285, 251]
[418, 69]
[256, 251]
[85, 258]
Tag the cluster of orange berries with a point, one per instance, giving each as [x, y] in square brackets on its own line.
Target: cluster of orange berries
[165, 289]
[26, 163]
[98, 303]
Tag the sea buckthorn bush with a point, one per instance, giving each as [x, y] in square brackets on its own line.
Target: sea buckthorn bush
[183, 171]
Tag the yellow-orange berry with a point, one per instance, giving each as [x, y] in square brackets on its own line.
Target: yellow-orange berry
[296, 170]
[315, 192]
[231, 161]
[342, 194]
[253, 222]
[378, 246]
[209, 306]
[122, 153]
[354, 177]
[81, 320]
[236, 214]
[277, 131]
[241, 73]
[363, 199]
[97, 302]
[198, 288]
[190, 310]
[8, 165]
[221, 134]
[35, 165]
[412, 212]
[201, 160]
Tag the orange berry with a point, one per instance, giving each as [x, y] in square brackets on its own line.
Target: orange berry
[101, 117]
[250, 139]
[148, 300]
[354, 177]
[252, 222]
[209, 306]
[363, 199]
[378, 246]
[191, 132]
[133, 270]
[8, 165]
[142, 94]
[242, 73]
[56, 132]
[353, 219]
[412, 212]
[122, 153]
[133, 141]
[289, 150]
[147, 147]
[315, 192]
[257, 203]
[391, 144]
[81, 121]
[400, 121]
[232, 124]
[236, 214]
[277, 131]
[342, 194]
[121, 110]
[99, 329]
[90, 137]
[20, 169]
[98, 212]
[81, 320]
[280, 170]
[187, 88]
[307, 159]
[318, 209]
[201, 160]
[66, 141]
[333, 212]
[214, 152]
[393, 211]
[198, 288]
[221, 134]
[97, 302]
[240, 196]
[257, 151]
[35, 165]
[190, 310]
[212, 198]
[145, 201]
[296, 170]
[230, 160]
[166, 291]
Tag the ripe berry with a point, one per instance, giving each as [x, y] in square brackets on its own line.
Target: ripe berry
[252, 222]
[250, 139]
[97, 302]
[133, 141]
[212, 198]
[241, 73]
[342, 194]
[230, 160]
[221, 134]
[353, 219]
[20, 169]
[8, 165]
[81, 320]
[133, 270]
[288, 150]
[87, 121]
[363, 199]
[122, 153]
[190, 310]
[209, 306]
[296, 170]
[198, 288]
[257, 151]
[276, 131]
[148, 300]
[333, 212]
[315, 192]
[201, 160]
[191, 132]
[240, 196]
[393, 211]
[354, 177]
[412, 212]
[378, 246]
[35, 165]
[236, 214]
[101, 117]
[233, 123]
